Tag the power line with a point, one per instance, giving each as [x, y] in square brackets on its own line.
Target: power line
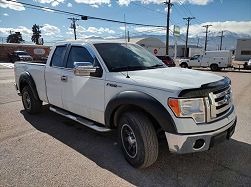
[206, 26]
[147, 8]
[188, 19]
[85, 16]
[188, 11]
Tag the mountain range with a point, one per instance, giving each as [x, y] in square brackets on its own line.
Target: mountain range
[229, 40]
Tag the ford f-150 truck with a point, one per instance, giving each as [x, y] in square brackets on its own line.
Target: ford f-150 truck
[113, 85]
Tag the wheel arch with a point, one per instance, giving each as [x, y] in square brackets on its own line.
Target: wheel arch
[185, 63]
[26, 79]
[135, 100]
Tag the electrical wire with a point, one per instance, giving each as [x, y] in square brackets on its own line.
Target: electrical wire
[81, 15]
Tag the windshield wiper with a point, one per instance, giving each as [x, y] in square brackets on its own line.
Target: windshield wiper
[127, 68]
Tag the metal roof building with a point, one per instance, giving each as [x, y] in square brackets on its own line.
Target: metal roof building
[243, 49]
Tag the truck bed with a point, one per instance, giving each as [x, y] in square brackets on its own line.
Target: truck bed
[36, 69]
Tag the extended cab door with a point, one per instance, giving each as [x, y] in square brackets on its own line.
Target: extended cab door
[53, 76]
[83, 95]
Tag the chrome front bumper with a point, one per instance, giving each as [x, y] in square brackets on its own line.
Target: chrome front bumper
[180, 144]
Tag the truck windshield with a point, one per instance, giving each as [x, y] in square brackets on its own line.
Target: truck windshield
[21, 53]
[127, 57]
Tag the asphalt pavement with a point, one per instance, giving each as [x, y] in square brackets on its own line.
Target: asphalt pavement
[50, 150]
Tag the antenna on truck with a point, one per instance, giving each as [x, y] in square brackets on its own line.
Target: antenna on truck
[127, 75]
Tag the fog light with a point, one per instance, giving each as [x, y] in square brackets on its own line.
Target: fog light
[199, 144]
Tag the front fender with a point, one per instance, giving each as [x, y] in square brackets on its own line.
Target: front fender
[143, 101]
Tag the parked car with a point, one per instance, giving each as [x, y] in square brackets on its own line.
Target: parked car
[167, 60]
[112, 85]
[20, 56]
[247, 65]
[216, 60]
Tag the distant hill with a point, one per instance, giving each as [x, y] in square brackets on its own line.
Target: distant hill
[229, 40]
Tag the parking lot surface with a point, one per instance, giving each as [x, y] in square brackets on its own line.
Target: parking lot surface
[50, 150]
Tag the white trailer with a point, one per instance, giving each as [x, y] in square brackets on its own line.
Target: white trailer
[214, 59]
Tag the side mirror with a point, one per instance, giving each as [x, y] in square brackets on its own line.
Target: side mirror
[86, 69]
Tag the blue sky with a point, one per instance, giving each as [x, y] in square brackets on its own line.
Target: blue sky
[231, 15]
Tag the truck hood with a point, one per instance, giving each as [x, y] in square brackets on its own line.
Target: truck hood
[171, 79]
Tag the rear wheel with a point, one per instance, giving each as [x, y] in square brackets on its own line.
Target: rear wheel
[184, 65]
[30, 103]
[138, 139]
[214, 67]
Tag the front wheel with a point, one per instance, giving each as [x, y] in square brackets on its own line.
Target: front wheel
[30, 103]
[184, 65]
[138, 139]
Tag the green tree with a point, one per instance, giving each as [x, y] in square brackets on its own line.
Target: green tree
[36, 34]
[15, 38]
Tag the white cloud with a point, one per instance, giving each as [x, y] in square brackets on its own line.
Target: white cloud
[52, 2]
[11, 5]
[94, 6]
[23, 30]
[94, 3]
[196, 2]
[5, 14]
[110, 37]
[69, 5]
[122, 28]
[50, 30]
[152, 30]
[100, 30]
[47, 9]
[238, 27]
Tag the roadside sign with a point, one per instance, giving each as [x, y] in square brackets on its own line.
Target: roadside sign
[39, 51]
[176, 30]
[155, 51]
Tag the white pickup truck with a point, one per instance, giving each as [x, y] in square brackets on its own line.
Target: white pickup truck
[112, 85]
[215, 60]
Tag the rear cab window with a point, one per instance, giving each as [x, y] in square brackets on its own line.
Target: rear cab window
[58, 57]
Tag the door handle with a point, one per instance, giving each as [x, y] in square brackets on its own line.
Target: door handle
[64, 78]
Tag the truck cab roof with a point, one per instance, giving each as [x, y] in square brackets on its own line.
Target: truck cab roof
[93, 41]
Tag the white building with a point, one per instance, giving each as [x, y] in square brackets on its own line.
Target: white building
[192, 50]
[158, 48]
[243, 49]
[153, 45]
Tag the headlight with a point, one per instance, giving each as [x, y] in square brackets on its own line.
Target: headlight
[193, 108]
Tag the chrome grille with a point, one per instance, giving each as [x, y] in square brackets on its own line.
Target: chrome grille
[218, 103]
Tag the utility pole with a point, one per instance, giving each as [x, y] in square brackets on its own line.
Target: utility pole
[221, 37]
[169, 5]
[73, 26]
[206, 26]
[128, 36]
[188, 23]
[198, 42]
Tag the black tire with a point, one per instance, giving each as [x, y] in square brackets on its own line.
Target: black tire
[136, 131]
[30, 103]
[184, 65]
[214, 67]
